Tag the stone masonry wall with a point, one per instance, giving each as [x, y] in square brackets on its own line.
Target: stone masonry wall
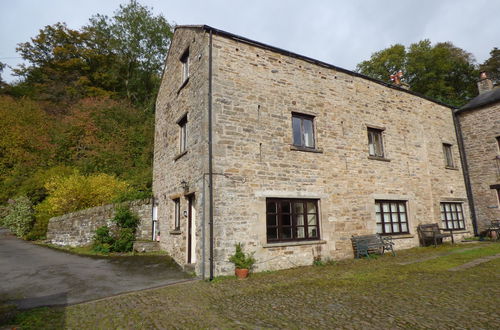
[255, 93]
[175, 100]
[78, 228]
[480, 127]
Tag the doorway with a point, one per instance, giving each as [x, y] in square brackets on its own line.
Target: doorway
[191, 230]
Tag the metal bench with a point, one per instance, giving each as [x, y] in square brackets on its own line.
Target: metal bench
[431, 233]
[365, 244]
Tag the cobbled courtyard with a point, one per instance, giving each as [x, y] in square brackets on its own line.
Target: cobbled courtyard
[451, 287]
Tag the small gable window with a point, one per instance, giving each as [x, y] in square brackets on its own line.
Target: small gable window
[303, 130]
[185, 65]
[448, 155]
[375, 142]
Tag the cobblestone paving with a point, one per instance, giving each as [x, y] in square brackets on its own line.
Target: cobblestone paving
[370, 293]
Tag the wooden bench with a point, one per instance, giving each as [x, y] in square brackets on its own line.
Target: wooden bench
[365, 244]
[431, 233]
[494, 228]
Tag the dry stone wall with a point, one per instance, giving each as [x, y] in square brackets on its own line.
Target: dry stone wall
[78, 228]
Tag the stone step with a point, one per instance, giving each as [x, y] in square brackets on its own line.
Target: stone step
[146, 246]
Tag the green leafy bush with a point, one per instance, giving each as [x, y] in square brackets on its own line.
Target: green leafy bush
[240, 259]
[125, 218]
[104, 241]
[125, 240]
[19, 218]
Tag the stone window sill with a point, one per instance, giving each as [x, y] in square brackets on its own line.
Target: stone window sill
[297, 243]
[451, 168]
[402, 236]
[183, 85]
[180, 155]
[382, 159]
[175, 232]
[313, 150]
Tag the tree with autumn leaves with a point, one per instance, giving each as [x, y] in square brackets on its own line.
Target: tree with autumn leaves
[83, 112]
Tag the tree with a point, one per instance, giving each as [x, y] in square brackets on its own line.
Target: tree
[492, 65]
[442, 72]
[121, 56]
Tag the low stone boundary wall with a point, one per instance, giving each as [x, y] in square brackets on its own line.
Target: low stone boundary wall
[78, 228]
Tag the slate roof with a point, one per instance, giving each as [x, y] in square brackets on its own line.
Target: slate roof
[481, 100]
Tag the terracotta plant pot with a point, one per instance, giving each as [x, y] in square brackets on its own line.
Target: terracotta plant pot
[241, 273]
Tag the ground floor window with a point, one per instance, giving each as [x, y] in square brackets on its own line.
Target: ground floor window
[391, 217]
[452, 215]
[292, 219]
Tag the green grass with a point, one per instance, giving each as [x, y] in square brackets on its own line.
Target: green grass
[366, 293]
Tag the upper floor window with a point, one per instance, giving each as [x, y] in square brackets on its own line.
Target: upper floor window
[452, 215]
[292, 219]
[391, 217]
[182, 133]
[375, 142]
[303, 130]
[185, 65]
[448, 155]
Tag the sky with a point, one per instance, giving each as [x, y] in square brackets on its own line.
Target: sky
[342, 33]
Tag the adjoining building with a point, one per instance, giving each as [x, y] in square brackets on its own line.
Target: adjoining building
[292, 156]
[479, 123]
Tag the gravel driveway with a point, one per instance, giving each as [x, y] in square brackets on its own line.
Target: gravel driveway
[32, 276]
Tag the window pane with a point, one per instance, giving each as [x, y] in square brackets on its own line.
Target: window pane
[272, 233]
[300, 232]
[461, 224]
[312, 232]
[385, 207]
[308, 133]
[377, 207]
[297, 134]
[447, 207]
[300, 220]
[271, 207]
[404, 227]
[271, 220]
[311, 207]
[298, 207]
[395, 228]
[402, 207]
[285, 207]
[387, 227]
[287, 233]
[311, 219]
[377, 216]
[402, 217]
[387, 217]
[394, 207]
[286, 220]
[379, 228]
[442, 207]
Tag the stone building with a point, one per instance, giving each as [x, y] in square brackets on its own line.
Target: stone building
[479, 123]
[292, 156]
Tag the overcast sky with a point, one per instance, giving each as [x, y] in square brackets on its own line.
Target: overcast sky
[342, 33]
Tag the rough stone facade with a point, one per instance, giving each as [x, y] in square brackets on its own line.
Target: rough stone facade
[480, 130]
[78, 228]
[255, 91]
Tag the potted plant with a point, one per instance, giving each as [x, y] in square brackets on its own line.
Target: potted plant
[242, 262]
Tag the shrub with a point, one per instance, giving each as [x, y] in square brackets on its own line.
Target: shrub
[102, 240]
[19, 218]
[125, 218]
[125, 240]
[240, 259]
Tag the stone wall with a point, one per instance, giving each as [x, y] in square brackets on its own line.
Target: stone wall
[78, 228]
[480, 127]
[255, 92]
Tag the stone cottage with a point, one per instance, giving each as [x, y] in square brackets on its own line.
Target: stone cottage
[479, 123]
[292, 156]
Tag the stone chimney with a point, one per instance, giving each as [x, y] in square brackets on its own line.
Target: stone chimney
[484, 83]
